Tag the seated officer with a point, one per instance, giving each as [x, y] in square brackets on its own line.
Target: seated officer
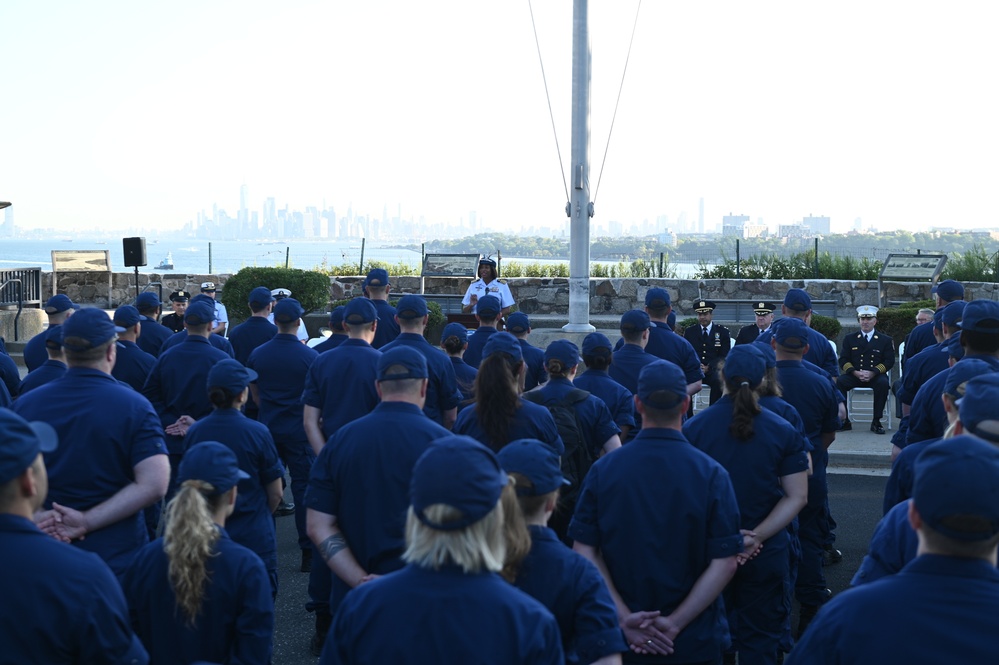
[864, 362]
[764, 317]
[942, 605]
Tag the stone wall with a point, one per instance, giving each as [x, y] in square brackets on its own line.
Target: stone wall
[541, 296]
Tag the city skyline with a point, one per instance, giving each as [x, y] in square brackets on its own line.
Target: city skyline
[128, 116]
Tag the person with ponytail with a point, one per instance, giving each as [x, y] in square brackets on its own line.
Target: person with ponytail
[252, 522]
[194, 594]
[562, 580]
[501, 415]
[765, 458]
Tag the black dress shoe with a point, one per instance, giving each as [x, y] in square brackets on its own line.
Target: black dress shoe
[846, 427]
[877, 428]
[831, 556]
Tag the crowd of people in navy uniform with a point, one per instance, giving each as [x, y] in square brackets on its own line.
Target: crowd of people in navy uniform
[488, 500]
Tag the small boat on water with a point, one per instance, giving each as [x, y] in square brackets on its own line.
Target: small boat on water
[167, 263]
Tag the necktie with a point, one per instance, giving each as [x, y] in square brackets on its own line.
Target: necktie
[704, 335]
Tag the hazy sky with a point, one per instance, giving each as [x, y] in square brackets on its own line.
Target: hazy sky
[118, 113]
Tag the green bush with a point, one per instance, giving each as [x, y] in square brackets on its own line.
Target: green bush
[827, 325]
[353, 270]
[690, 321]
[897, 322]
[310, 288]
[435, 324]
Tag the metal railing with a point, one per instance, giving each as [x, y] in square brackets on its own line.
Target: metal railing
[21, 287]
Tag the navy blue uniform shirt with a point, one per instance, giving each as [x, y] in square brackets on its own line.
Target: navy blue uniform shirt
[236, 624]
[178, 384]
[666, 344]
[628, 363]
[217, 341]
[250, 334]
[476, 342]
[465, 375]
[442, 388]
[34, 351]
[573, 590]
[10, 375]
[812, 396]
[421, 616]
[927, 417]
[353, 364]
[376, 451]
[132, 365]
[152, 335]
[281, 365]
[105, 429]
[919, 338]
[921, 368]
[60, 605]
[938, 609]
[618, 399]
[387, 329]
[331, 343]
[531, 421]
[535, 360]
[624, 512]
[49, 371]
[893, 544]
[251, 524]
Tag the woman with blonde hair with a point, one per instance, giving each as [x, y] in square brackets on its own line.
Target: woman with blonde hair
[194, 594]
[448, 604]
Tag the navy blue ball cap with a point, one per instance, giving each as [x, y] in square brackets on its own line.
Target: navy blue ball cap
[952, 313]
[147, 300]
[53, 337]
[953, 347]
[454, 329]
[261, 296]
[635, 321]
[956, 488]
[745, 363]
[503, 342]
[981, 316]
[597, 344]
[336, 317]
[20, 443]
[657, 298]
[518, 322]
[377, 277]
[126, 316]
[87, 329]
[60, 302]
[459, 472]
[411, 307]
[402, 362]
[981, 395]
[797, 300]
[960, 374]
[661, 385]
[791, 333]
[536, 461]
[288, 310]
[564, 351]
[203, 297]
[213, 463]
[199, 313]
[488, 307]
[231, 375]
[767, 351]
[949, 290]
[359, 311]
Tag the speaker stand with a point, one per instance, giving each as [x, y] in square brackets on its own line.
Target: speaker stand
[136, 281]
